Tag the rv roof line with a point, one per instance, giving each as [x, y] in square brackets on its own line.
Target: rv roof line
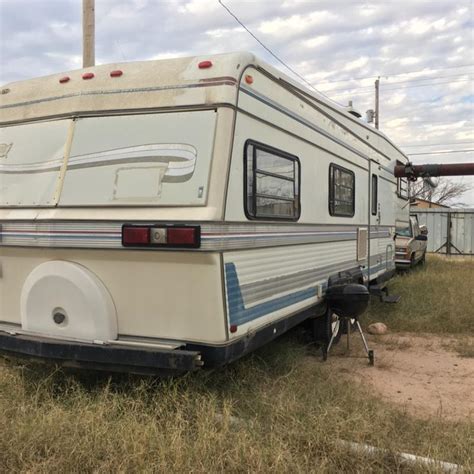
[105, 113]
[344, 113]
[221, 64]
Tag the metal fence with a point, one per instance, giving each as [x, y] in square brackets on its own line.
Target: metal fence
[450, 231]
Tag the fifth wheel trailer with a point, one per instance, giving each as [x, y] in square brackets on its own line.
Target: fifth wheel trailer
[180, 213]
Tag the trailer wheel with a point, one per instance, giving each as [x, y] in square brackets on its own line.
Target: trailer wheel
[423, 259]
[324, 326]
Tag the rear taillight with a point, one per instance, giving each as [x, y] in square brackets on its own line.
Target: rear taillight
[161, 236]
[134, 235]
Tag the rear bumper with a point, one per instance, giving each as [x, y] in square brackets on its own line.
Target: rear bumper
[101, 356]
[149, 360]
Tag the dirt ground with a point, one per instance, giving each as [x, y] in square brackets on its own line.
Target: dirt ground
[422, 373]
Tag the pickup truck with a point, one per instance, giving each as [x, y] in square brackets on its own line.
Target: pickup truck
[410, 243]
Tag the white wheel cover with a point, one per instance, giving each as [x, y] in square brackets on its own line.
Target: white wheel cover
[83, 307]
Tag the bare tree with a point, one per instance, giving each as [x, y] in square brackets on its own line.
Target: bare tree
[447, 191]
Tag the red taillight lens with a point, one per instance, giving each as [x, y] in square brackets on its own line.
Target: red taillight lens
[182, 235]
[134, 235]
[161, 236]
[64, 79]
[116, 73]
[88, 75]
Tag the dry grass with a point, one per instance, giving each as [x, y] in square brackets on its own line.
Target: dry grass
[293, 411]
[436, 298]
[463, 345]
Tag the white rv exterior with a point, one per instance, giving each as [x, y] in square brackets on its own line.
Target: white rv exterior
[283, 190]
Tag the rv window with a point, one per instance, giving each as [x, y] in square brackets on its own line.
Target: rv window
[374, 194]
[341, 191]
[272, 183]
[402, 186]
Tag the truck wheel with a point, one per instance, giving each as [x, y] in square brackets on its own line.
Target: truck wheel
[412, 260]
[324, 326]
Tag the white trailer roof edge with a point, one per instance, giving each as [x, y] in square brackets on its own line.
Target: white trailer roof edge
[140, 71]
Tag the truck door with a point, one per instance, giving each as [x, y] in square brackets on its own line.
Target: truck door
[381, 217]
[417, 244]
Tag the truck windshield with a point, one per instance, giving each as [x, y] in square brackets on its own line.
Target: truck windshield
[404, 231]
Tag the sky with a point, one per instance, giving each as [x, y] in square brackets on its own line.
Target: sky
[422, 50]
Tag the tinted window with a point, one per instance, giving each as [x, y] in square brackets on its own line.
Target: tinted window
[374, 194]
[341, 191]
[272, 183]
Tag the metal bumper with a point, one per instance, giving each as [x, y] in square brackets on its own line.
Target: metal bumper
[141, 360]
[402, 262]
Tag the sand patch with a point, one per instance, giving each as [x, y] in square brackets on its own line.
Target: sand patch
[421, 373]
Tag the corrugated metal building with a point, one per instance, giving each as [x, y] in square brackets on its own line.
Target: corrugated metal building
[450, 231]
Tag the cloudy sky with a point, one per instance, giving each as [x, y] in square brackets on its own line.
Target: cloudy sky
[422, 50]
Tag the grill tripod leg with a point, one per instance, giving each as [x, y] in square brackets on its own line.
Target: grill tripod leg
[370, 353]
[347, 321]
[333, 336]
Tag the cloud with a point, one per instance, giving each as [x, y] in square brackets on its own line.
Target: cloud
[341, 46]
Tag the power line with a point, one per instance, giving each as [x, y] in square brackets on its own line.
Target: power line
[406, 82]
[266, 48]
[370, 89]
[395, 74]
[460, 142]
[444, 152]
[272, 53]
[398, 88]
[430, 78]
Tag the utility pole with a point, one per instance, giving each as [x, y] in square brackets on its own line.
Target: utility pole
[88, 33]
[377, 87]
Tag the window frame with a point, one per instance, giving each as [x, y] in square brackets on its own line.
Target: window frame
[399, 186]
[374, 196]
[331, 193]
[251, 214]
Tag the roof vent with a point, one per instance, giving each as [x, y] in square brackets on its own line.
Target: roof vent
[352, 111]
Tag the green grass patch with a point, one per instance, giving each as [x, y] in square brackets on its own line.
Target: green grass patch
[437, 297]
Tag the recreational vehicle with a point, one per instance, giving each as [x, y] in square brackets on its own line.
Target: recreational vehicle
[177, 214]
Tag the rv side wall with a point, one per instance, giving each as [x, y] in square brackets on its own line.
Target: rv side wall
[292, 256]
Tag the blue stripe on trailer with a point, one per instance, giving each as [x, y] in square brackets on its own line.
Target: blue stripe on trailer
[238, 314]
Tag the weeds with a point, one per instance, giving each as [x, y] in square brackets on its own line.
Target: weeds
[280, 409]
[435, 298]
